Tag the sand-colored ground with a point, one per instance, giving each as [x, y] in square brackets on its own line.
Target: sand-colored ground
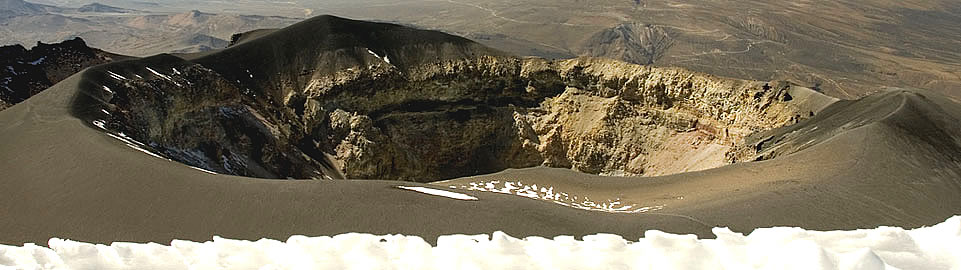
[889, 159]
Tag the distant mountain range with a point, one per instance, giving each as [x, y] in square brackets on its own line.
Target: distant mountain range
[848, 48]
[19, 7]
[845, 48]
[125, 31]
[101, 8]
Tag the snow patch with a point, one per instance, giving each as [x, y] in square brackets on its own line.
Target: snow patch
[116, 76]
[548, 193]
[105, 88]
[165, 77]
[157, 73]
[100, 124]
[11, 70]
[442, 193]
[378, 56]
[202, 170]
[937, 247]
[38, 61]
[130, 142]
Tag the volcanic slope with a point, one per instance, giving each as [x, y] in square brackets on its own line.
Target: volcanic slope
[89, 159]
[332, 98]
[892, 158]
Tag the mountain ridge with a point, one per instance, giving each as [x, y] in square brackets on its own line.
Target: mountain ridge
[127, 31]
[27, 72]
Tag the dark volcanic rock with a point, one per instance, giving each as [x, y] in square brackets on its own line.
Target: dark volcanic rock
[24, 73]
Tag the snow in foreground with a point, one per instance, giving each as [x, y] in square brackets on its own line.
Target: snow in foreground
[937, 247]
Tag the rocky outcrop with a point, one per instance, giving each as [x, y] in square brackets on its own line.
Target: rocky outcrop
[632, 42]
[424, 106]
[24, 73]
[592, 115]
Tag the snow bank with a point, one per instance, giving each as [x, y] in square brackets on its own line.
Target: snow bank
[548, 193]
[937, 247]
[442, 193]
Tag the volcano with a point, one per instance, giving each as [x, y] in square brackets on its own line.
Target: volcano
[460, 138]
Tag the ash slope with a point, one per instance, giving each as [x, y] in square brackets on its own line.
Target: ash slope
[892, 158]
[75, 168]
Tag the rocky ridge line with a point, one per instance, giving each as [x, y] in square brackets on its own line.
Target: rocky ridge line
[24, 73]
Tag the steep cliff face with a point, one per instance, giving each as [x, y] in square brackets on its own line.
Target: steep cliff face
[484, 115]
[397, 103]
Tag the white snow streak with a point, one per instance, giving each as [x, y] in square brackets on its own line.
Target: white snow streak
[100, 124]
[378, 56]
[116, 76]
[38, 61]
[937, 247]
[163, 76]
[202, 170]
[157, 73]
[442, 193]
[134, 144]
[130, 142]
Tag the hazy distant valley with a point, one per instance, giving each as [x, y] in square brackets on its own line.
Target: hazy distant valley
[847, 48]
[126, 31]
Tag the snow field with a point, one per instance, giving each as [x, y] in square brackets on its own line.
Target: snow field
[936, 247]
